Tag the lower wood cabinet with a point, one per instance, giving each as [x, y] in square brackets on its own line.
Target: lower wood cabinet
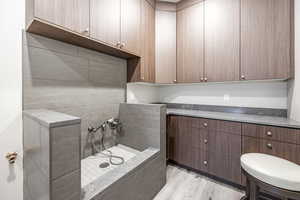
[206, 145]
[280, 142]
[215, 146]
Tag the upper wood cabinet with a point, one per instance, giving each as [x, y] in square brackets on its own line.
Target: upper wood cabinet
[130, 25]
[71, 14]
[117, 22]
[143, 69]
[165, 44]
[222, 40]
[147, 42]
[105, 21]
[265, 39]
[190, 44]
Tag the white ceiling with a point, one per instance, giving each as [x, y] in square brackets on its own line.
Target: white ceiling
[174, 1]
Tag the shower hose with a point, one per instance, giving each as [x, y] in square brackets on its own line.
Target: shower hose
[109, 155]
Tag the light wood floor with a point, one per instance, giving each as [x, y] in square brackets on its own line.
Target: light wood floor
[186, 185]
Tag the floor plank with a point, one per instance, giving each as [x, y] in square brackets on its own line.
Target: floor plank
[186, 185]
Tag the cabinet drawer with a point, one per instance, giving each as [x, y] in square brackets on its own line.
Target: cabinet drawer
[200, 138]
[201, 123]
[217, 125]
[200, 159]
[283, 150]
[272, 133]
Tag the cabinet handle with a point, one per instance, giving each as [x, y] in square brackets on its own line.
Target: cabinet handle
[202, 79]
[269, 133]
[243, 77]
[205, 79]
[205, 141]
[205, 124]
[205, 162]
[86, 30]
[269, 145]
[175, 81]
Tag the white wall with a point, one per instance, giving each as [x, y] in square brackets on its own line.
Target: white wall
[12, 19]
[259, 94]
[249, 94]
[294, 90]
[137, 93]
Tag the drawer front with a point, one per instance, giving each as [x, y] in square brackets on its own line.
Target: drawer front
[226, 127]
[200, 160]
[272, 133]
[201, 123]
[200, 138]
[283, 150]
[217, 125]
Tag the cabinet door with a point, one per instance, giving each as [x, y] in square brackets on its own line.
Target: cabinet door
[130, 25]
[190, 44]
[105, 21]
[222, 36]
[172, 137]
[165, 40]
[224, 156]
[184, 141]
[70, 14]
[265, 39]
[147, 42]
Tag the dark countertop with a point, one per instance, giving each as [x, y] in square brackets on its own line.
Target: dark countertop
[255, 119]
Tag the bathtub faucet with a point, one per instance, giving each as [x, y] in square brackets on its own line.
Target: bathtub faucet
[113, 124]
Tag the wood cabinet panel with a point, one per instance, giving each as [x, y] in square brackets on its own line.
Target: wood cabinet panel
[70, 14]
[130, 25]
[265, 39]
[147, 42]
[280, 149]
[172, 129]
[227, 168]
[190, 44]
[272, 133]
[199, 159]
[105, 21]
[222, 40]
[165, 50]
[200, 138]
[224, 143]
[184, 141]
[224, 156]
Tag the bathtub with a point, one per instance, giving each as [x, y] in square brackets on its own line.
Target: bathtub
[122, 181]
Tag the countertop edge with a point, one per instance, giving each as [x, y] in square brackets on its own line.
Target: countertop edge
[288, 124]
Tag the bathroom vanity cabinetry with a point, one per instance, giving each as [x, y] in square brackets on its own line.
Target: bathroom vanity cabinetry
[215, 146]
[211, 146]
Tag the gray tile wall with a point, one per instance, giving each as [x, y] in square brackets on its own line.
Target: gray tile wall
[51, 159]
[144, 125]
[69, 79]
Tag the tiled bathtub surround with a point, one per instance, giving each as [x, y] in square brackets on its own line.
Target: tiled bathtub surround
[51, 156]
[144, 126]
[69, 79]
[142, 176]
